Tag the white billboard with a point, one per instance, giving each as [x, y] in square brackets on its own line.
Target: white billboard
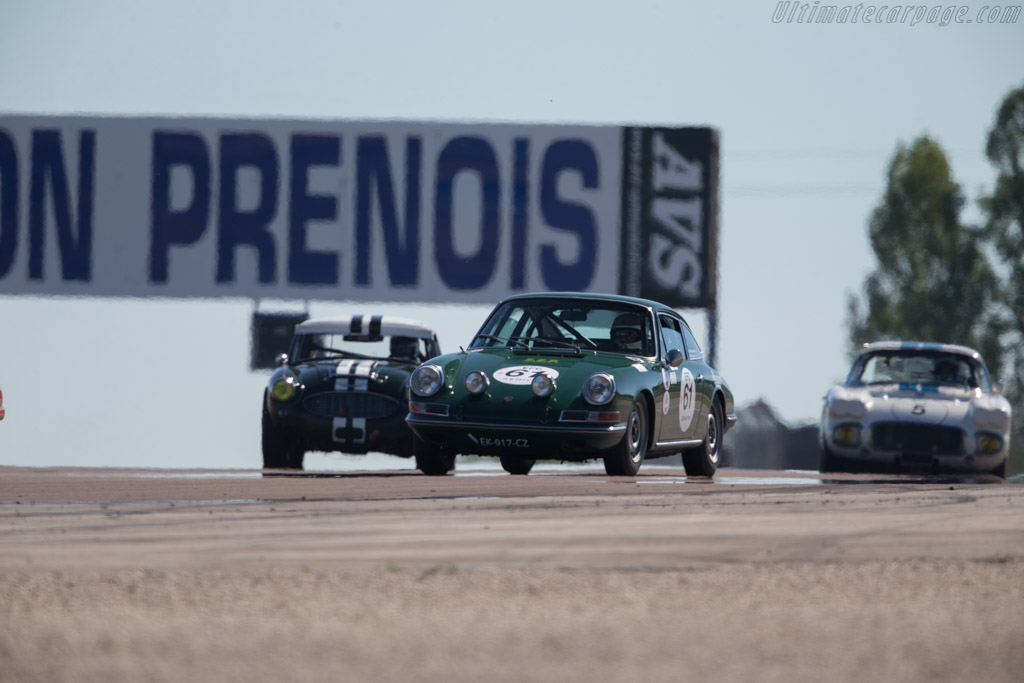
[352, 210]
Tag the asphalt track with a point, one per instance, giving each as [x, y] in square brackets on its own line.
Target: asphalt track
[114, 574]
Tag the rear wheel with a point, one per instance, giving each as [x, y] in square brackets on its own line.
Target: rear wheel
[279, 451]
[702, 461]
[432, 459]
[514, 465]
[626, 458]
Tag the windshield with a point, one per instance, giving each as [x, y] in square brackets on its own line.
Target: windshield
[329, 346]
[573, 325]
[917, 367]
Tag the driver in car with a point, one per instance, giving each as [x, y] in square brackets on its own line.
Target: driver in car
[945, 371]
[406, 348]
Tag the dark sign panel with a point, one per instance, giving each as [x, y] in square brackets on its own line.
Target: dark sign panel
[271, 335]
[670, 215]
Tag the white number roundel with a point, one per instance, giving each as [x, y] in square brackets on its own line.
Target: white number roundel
[687, 400]
[522, 374]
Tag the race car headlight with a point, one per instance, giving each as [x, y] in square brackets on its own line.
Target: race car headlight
[993, 418]
[426, 380]
[542, 385]
[989, 443]
[283, 389]
[599, 389]
[847, 435]
[844, 407]
[477, 382]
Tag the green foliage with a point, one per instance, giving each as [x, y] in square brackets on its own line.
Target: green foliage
[1004, 211]
[933, 282]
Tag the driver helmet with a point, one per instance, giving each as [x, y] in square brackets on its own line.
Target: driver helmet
[626, 332]
[405, 347]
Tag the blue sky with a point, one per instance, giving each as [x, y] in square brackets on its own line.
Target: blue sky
[809, 116]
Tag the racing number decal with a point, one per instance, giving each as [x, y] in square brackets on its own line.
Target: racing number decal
[523, 374]
[687, 400]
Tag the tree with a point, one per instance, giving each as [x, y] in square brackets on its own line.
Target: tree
[1004, 211]
[933, 281]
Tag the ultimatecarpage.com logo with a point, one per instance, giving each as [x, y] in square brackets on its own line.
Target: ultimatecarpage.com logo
[789, 12]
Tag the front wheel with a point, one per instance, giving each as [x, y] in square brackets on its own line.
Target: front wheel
[514, 465]
[432, 459]
[1000, 471]
[279, 451]
[702, 460]
[830, 462]
[626, 458]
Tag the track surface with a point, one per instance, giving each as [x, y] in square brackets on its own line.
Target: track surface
[239, 575]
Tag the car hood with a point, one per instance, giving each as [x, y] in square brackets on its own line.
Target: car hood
[511, 373]
[349, 374]
[944, 405]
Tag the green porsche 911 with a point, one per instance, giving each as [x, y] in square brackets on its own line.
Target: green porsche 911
[572, 377]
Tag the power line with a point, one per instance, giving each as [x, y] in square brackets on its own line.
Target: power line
[822, 190]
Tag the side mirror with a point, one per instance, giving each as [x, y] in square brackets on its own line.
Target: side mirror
[281, 359]
[675, 358]
[997, 387]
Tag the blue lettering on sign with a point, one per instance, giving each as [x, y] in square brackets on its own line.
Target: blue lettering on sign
[304, 266]
[177, 227]
[252, 228]
[8, 203]
[466, 154]
[48, 171]
[373, 170]
[520, 213]
[562, 156]
[246, 214]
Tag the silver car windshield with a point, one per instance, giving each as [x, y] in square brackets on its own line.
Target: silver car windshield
[931, 368]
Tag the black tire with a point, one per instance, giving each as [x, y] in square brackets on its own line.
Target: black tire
[514, 465]
[830, 462]
[279, 452]
[1000, 471]
[626, 458]
[703, 460]
[432, 459]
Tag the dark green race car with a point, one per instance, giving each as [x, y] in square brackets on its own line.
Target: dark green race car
[572, 377]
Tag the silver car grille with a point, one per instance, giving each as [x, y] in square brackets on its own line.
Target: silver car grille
[333, 404]
[917, 438]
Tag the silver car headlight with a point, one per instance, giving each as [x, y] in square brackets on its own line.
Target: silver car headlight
[845, 407]
[599, 389]
[847, 435]
[477, 382]
[543, 385]
[426, 380]
[992, 418]
[989, 443]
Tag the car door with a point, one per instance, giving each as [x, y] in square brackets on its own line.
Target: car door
[704, 385]
[681, 410]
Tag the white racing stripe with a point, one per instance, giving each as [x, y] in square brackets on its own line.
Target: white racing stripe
[353, 375]
[345, 424]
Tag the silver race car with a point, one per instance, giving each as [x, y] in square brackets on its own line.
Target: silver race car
[914, 405]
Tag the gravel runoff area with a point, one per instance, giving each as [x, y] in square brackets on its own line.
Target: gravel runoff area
[866, 582]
